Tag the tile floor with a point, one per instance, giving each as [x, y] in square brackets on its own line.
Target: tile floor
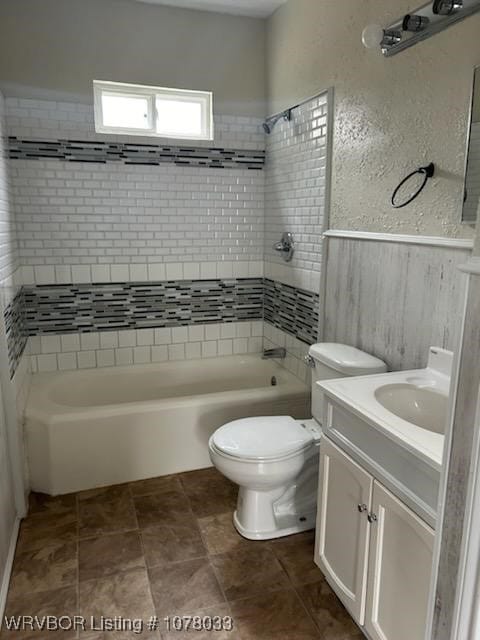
[167, 547]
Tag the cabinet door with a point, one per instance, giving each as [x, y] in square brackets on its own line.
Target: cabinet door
[342, 527]
[401, 551]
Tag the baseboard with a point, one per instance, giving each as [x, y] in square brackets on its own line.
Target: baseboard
[8, 569]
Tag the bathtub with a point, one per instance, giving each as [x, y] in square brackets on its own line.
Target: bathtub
[97, 427]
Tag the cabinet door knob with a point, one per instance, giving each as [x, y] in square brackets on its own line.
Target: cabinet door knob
[362, 508]
[372, 518]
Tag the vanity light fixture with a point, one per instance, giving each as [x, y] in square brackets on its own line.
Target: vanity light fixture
[424, 22]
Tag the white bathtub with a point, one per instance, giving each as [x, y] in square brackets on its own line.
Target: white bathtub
[98, 427]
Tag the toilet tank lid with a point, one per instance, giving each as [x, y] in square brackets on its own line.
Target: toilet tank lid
[347, 360]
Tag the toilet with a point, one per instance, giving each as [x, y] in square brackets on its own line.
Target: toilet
[274, 460]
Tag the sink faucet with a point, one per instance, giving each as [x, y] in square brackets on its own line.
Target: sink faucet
[279, 352]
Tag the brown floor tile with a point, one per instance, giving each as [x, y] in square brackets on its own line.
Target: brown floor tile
[93, 537]
[220, 536]
[104, 555]
[209, 492]
[125, 594]
[161, 509]
[332, 619]
[156, 485]
[295, 554]
[103, 492]
[51, 567]
[247, 572]
[172, 543]
[184, 586]
[58, 602]
[41, 503]
[39, 530]
[272, 616]
[219, 611]
[107, 510]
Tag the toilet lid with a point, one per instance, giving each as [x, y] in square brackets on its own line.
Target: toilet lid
[262, 438]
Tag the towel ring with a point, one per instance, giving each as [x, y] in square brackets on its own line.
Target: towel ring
[427, 172]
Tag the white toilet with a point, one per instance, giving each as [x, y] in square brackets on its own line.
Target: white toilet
[274, 460]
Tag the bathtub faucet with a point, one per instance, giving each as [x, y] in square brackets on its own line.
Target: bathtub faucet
[279, 352]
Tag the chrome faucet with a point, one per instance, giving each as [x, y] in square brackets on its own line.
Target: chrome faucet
[279, 352]
[286, 246]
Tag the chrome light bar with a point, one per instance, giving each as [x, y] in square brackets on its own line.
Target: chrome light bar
[424, 22]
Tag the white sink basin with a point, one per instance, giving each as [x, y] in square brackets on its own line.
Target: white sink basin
[424, 407]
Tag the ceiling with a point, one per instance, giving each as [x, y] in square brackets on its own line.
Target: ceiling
[254, 8]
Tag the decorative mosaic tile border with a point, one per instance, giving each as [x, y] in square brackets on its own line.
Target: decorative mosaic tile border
[16, 331]
[134, 154]
[49, 310]
[293, 310]
[86, 308]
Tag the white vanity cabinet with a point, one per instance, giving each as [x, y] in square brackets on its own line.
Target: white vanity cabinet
[342, 535]
[375, 552]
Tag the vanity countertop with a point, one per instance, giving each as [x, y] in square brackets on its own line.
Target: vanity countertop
[358, 396]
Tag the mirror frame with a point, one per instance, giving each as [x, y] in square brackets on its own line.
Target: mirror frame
[476, 69]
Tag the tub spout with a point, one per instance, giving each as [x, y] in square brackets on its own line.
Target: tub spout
[279, 352]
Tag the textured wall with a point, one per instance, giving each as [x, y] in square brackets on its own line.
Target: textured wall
[394, 300]
[62, 45]
[391, 115]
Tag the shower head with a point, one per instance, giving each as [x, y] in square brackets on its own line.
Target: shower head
[271, 122]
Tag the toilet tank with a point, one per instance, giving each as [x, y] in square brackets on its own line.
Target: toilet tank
[331, 360]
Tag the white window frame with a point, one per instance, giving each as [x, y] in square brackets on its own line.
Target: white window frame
[205, 98]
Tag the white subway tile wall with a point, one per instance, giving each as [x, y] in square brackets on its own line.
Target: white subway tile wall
[295, 193]
[105, 273]
[12, 341]
[90, 222]
[14, 392]
[117, 348]
[48, 119]
[94, 214]
[296, 350]
[472, 206]
[8, 246]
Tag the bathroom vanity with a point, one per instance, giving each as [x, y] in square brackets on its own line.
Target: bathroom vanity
[376, 554]
[380, 463]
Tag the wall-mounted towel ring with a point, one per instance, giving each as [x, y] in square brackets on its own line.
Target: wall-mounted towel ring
[422, 174]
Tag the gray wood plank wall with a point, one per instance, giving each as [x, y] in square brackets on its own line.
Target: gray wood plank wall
[393, 300]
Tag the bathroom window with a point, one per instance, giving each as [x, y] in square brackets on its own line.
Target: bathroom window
[153, 111]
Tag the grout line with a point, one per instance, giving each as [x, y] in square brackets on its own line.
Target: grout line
[147, 573]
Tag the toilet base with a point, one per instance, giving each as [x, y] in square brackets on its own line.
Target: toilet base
[279, 512]
[276, 533]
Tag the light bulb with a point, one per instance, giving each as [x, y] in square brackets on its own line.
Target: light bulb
[372, 36]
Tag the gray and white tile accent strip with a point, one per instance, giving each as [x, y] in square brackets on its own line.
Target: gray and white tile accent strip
[56, 310]
[16, 331]
[293, 310]
[134, 154]
[87, 308]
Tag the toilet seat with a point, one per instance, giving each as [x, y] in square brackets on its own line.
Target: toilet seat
[262, 438]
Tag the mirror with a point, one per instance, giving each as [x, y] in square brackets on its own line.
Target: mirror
[471, 204]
